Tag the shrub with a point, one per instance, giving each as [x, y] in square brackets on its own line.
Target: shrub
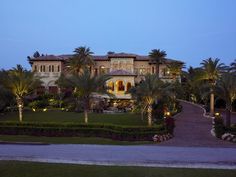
[128, 133]
[38, 104]
[219, 127]
[170, 124]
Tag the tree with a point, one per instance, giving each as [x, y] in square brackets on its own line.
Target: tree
[148, 91]
[175, 69]
[85, 84]
[233, 66]
[157, 56]
[80, 60]
[211, 70]
[20, 82]
[226, 90]
[36, 54]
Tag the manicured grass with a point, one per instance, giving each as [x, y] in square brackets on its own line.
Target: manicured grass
[29, 169]
[67, 140]
[60, 116]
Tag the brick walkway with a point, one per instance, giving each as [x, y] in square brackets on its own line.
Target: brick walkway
[193, 130]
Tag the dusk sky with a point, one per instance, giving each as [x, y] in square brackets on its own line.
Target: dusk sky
[188, 30]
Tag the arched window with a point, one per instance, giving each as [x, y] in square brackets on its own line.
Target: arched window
[128, 86]
[120, 86]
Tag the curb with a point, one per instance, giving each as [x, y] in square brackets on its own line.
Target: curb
[23, 143]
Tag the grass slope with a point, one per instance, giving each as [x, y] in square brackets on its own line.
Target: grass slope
[28, 169]
[61, 116]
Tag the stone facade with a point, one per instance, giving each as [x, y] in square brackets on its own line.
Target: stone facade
[126, 70]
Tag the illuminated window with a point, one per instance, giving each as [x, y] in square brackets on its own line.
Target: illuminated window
[120, 86]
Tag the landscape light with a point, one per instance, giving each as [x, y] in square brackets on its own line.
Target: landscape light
[45, 109]
[168, 113]
[217, 114]
[34, 109]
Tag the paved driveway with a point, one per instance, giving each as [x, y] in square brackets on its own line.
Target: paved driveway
[193, 130]
[154, 156]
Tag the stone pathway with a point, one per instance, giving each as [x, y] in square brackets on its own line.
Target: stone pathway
[193, 130]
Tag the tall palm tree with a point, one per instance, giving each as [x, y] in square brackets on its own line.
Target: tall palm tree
[148, 91]
[157, 56]
[86, 85]
[175, 69]
[80, 60]
[211, 71]
[226, 90]
[20, 82]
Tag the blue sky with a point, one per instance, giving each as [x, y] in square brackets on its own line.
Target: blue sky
[188, 30]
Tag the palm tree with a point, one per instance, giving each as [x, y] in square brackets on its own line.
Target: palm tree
[211, 71]
[157, 56]
[86, 85]
[175, 69]
[80, 60]
[20, 82]
[233, 66]
[226, 90]
[148, 91]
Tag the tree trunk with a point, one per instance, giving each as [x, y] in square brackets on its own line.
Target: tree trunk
[228, 116]
[20, 108]
[86, 116]
[86, 108]
[149, 111]
[212, 103]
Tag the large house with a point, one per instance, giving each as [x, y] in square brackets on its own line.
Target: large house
[125, 70]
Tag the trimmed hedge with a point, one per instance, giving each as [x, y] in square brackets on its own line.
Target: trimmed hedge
[127, 133]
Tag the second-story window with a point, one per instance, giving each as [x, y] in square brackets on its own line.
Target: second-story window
[58, 68]
[52, 68]
[35, 68]
[44, 68]
[41, 68]
[49, 68]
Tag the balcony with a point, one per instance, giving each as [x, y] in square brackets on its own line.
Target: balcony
[48, 74]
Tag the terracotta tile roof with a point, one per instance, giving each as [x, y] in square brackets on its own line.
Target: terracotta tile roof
[100, 57]
[121, 72]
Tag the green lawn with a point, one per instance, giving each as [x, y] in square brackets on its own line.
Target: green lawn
[67, 140]
[60, 116]
[29, 169]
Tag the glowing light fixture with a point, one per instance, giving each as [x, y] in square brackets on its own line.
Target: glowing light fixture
[45, 109]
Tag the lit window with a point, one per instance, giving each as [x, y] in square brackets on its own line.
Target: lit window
[120, 86]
